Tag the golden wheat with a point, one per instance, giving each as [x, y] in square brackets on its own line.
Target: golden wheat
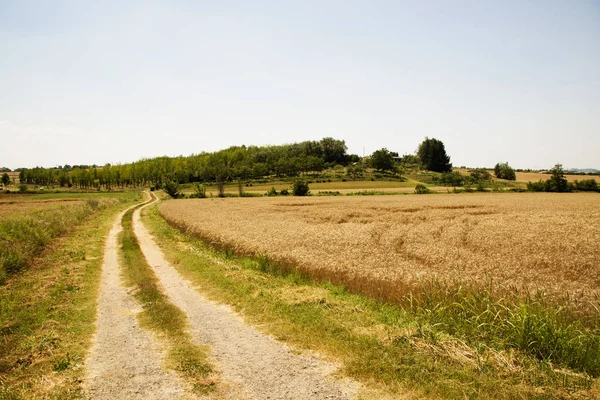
[526, 242]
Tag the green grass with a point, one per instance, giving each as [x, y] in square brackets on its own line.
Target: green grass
[450, 347]
[163, 317]
[24, 235]
[47, 313]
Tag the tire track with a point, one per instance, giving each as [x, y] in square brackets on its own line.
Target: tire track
[124, 361]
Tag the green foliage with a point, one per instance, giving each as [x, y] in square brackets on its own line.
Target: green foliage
[421, 189]
[199, 190]
[536, 186]
[172, 189]
[432, 154]
[382, 160]
[5, 179]
[234, 163]
[504, 171]
[586, 185]
[23, 188]
[453, 178]
[272, 191]
[300, 187]
[557, 182]
[480, 175]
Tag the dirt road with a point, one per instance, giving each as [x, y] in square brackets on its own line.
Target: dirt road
[125, 361]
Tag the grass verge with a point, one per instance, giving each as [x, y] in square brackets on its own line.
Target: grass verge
[23, 236]
[47, 312]
[161, 316]
[407, 350]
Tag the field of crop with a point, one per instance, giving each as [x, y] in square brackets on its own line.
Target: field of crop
[384, 245]
[534, 177]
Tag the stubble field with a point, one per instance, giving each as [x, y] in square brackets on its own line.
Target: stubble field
[385, 245]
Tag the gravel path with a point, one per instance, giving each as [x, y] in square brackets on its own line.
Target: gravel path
[125, 360]
[252, 365]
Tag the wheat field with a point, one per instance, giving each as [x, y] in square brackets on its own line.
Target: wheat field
[523, 242]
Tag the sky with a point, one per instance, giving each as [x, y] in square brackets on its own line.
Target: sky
[95, 82]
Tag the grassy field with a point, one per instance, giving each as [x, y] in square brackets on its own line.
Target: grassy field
[448, 345]
[48, 307]
[383, 245]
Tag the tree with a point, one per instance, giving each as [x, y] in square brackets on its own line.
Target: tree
[557, 182]
[432, 154]
[382, 160]
[504, 171]
[5, 179]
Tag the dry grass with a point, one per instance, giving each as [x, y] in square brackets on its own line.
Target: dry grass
[534, 177]
[384, 245]
[9, 206]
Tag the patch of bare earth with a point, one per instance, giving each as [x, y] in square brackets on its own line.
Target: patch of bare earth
[252, 364]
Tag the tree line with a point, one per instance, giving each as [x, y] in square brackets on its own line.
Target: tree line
[234, 163]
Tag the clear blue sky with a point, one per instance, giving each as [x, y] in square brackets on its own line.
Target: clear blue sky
[116, 81]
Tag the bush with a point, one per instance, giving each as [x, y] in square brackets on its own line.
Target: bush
[504, 171]
[536, 186]
[480, 175]
[172, 189]
[421, 189]
[300, 188]
[199, 190]
[452, 179]
[23, 188]
[586, 185]
[272, 191]
[284, 192]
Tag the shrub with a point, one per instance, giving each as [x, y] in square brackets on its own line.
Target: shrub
[172, 189]
[284, 192]
[272, 191]
[480, 175]
[421, 189]
[300, 188]
[504, 171]
[23, 188]
[536, 186]
[199, 191]
[452, 179]
[586, 185]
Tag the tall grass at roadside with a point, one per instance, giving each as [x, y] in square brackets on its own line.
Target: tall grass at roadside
[550, 332]
[23, 236]
[47, 312]
[160, 315]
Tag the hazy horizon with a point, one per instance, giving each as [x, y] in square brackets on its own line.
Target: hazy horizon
[95, 83]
